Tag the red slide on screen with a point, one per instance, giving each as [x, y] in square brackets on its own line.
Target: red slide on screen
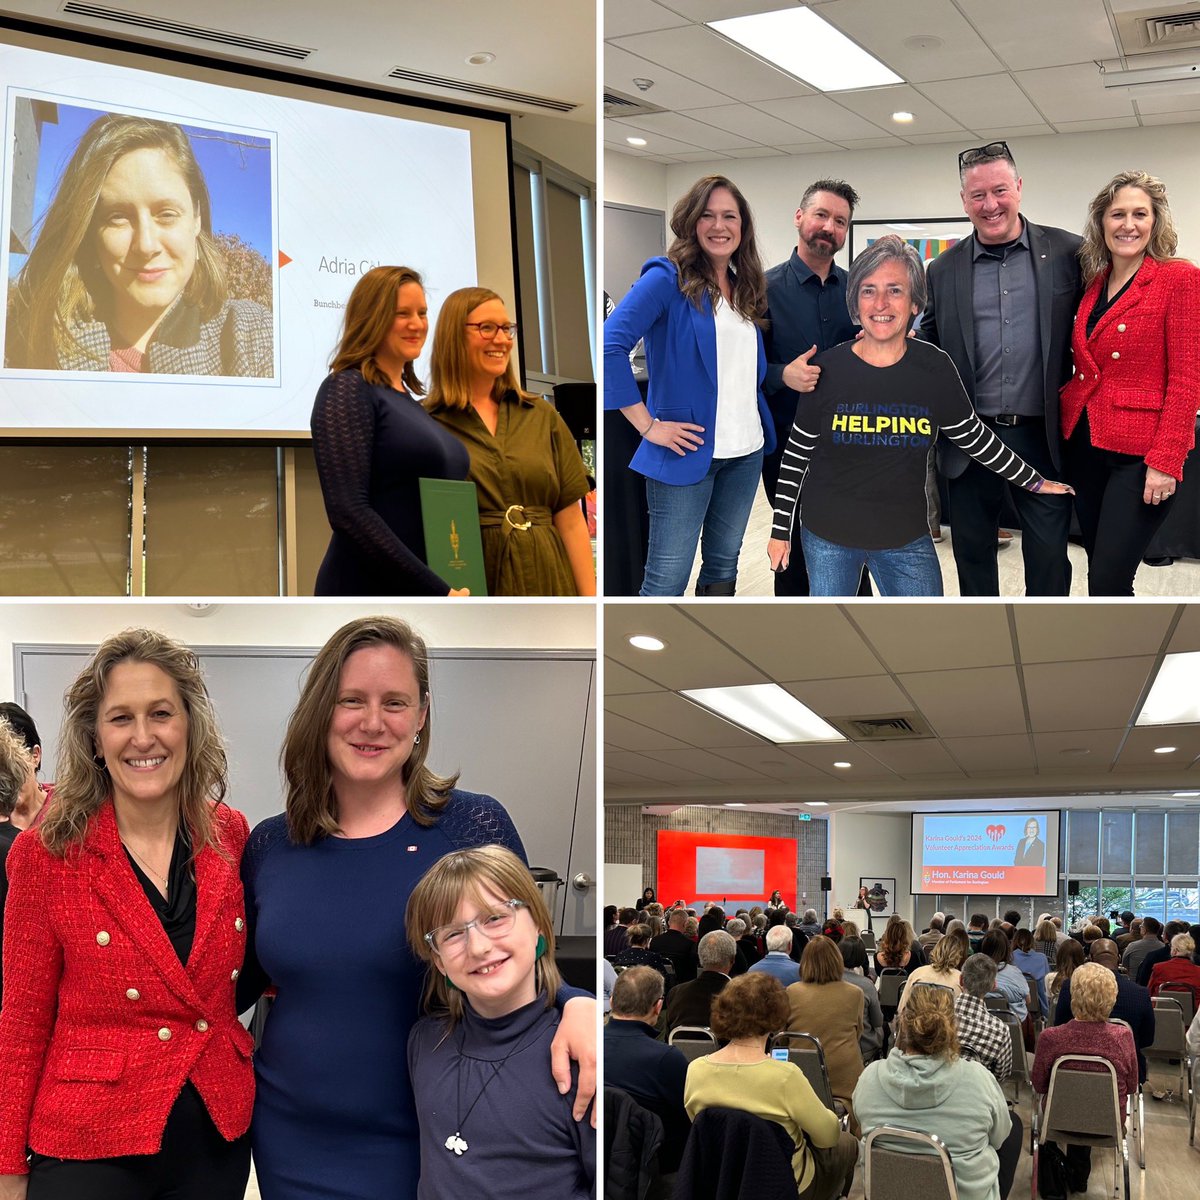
[713, 866]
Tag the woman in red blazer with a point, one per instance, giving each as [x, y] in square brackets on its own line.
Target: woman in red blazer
[1129, 411]
[126, 1072]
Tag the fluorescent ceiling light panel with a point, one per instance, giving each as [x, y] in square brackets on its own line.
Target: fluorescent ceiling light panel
[1174, 697]
[805, 45]
[769, 711]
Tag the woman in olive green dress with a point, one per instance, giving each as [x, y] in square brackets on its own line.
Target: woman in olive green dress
[526, 468]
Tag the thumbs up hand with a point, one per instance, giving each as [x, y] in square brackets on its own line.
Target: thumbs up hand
[800, 375]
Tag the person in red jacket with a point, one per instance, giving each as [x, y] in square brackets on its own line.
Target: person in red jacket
[1129, 411]
[127, 1075]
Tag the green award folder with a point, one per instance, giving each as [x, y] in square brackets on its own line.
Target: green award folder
[453, 545]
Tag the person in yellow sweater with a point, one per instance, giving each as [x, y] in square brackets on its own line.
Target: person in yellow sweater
[742, 1075]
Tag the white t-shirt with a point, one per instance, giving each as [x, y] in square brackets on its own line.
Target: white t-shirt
[739, 428]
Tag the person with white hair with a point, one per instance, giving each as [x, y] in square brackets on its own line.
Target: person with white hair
[778, 961]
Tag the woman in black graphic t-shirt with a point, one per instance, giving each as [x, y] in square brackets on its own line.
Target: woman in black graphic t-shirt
[860, 441]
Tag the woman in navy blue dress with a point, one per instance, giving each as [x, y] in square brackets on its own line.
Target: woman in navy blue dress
[327, 884]
[374, 442]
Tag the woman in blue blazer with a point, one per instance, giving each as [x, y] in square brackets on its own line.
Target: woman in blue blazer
[705, 424]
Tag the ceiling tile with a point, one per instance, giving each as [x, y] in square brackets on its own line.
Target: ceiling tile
[629, 735]
[698, 53]
[618, 680]
[1142, 742]
[814, 147]
[822, 117]
[1171, 104]
[711, 766]
[875, 143]
[792, 642]
[1071, 94]
[718, 10]
[1068, 31]
[961, 703]
[1010, 134]
[930, 139]
[1061, 632]
[990, 101]
[856, 697]
[670, 91]
[912, 760]
[1187, 633]
[1172, 118]
[1085, 695]
[747, 122]
[679, 718]
[623, 17]
[684, 129]
[774, 763]
[883, 27]
[615, 778]
[878, 104]
[864, 765]
[1090, 126]
[927, 637]
[1003, 752]
[756, 152]
[656, 143]
[649, 768]
[1101, 744]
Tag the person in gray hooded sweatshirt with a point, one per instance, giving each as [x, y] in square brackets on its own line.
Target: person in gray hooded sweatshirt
[924, 1084]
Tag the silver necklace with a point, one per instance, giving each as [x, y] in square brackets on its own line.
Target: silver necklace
[145, 864]
[456, 1143]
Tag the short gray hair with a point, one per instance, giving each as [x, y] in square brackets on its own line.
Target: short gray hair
[888, 248]
[810, 916]
[716, 949]
[979, 975]
[736, 927]
[779, 937]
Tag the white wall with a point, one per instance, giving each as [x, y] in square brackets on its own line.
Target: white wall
[1061, 174]
[555, 625]
[621, 880]
[571, 144]
[862, 844]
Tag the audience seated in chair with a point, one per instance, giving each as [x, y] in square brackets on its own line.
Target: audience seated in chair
[778, 961]
[1179, 968]
[678, 946]
[651, 1072]
[981, 1036]
[690, 1003]
[639, 954]
[741, 1075]
[872, 1040]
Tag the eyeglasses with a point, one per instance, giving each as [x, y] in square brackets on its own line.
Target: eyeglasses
[978, 154]
[489, 329]
[450, 941]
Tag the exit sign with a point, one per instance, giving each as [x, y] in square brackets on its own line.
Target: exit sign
[804, 817]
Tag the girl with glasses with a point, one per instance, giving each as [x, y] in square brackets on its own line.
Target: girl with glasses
[492, 1121]
[527, 471]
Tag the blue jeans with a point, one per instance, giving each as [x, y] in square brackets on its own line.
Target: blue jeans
[833, 570]
[714, 511]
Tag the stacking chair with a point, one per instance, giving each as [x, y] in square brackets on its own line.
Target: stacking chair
[1137, 1111]
[1170, 1042]
[923, 1169]
[890, 984]
[868, 940]
[995, 1002]
[1187, 1001]
[1082, 1108]
[804, 1049]
[1034, 1002]
[693, 1041]
[1019, 1071]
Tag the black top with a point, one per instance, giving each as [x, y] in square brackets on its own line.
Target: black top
[8, 835]
[861, 440]
[1103, 303]
[372, 446]
[176, 910]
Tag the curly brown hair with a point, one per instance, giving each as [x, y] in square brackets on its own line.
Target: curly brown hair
[752, 1005]
[927, 1023]
[1094, 256]
[696, 275]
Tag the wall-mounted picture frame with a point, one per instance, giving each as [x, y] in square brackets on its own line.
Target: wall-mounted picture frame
[881, 893]
[930, 236]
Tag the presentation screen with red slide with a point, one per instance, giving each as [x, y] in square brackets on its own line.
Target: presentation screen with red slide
[996, 853]
[697, 867]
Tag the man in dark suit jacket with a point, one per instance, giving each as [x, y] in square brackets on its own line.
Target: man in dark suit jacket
[1001, 305]
[678, 947]
[636, 1062]
[691, 1003]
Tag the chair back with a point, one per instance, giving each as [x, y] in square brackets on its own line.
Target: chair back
[1020, 1060]
[1174, 990]
[868, 939]
[1034, 1002]
[995, 1002]
[804, 1049]
[903, 1163]
[1169, 1036]
[693, 1041]
[1083, 1105]
[890, 984]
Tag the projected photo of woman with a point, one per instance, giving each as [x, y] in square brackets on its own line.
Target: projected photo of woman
[126, 274]
[1031, 850]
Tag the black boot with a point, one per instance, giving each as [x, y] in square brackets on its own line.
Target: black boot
[724, 588]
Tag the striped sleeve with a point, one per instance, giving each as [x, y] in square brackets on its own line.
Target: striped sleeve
[792, 470]
[973, 437]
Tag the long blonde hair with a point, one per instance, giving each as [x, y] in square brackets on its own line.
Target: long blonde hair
[370, 313]
[1094, 256]
[83, 783]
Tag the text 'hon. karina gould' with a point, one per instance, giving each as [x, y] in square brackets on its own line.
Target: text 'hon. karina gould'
[979, 876]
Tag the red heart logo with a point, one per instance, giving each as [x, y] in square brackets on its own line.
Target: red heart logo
[995, 832]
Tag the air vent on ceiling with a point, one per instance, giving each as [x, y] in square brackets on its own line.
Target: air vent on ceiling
[618, 105]
[482, 89]
[119, 16]
[1164, 27]
[887, 727]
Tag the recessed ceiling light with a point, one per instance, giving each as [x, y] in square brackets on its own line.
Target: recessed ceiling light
[1174, 698]
[1165, 749]
[1184, 795]
[643, 641]
[767, 710]
[805, 45]
[816, 803]
[636, 141]
[481, 59]
[902, 118]
[843, 765]
[735, 804]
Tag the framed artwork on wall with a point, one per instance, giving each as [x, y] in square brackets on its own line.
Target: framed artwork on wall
[880, 892]
[929, 235]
